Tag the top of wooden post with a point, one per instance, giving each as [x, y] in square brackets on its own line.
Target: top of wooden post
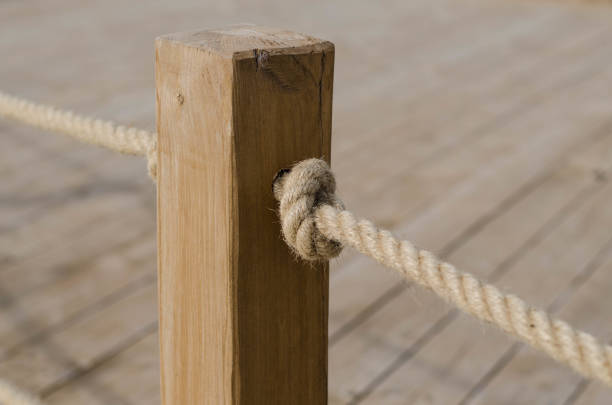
[239, 41]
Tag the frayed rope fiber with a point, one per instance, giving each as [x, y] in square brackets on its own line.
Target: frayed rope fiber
[316, 226]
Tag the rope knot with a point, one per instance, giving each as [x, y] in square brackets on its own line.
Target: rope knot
[300, 191]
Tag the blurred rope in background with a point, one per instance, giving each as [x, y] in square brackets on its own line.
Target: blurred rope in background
[118, 138]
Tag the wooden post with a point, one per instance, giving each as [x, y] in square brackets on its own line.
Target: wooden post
[241, 319]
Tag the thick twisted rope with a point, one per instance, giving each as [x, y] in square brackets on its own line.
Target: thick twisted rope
[131, 141]
[306, 197]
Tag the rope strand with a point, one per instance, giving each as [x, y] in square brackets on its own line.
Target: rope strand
[127, 140]
[302, 202]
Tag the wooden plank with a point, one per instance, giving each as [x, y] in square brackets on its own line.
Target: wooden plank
[516, 85]
[453, 360]
[81, 287]
[444, 66]
[410, 315]
[89, 226]
[516, 159]
[240, 318]
[132, 377]
[359, 278]
[61, 358]
[469, 44]
[470, 354]
[387, 111]
[594, 394]
[474, 109]
[480, 132]
[443, 220]
[527, 375]
[79, 320]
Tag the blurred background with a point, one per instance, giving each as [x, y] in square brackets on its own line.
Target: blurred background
[479, 129]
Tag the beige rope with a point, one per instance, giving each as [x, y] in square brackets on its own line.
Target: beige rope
[315, 225]
[118, 138]
[10, 394]
[306, 195]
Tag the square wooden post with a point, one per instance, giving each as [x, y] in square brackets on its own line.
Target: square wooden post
[242, 321]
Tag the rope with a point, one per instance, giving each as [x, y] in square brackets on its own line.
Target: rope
[315, 225]
[107, 134]
[10, 394]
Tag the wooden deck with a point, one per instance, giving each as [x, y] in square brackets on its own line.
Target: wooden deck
[481, 130]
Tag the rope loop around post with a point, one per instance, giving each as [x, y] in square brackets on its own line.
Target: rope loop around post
[300, 190]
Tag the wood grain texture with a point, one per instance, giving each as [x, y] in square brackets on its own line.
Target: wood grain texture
[241, 320]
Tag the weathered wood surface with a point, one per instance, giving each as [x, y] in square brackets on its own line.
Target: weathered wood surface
[481, 130]
[241, 321]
